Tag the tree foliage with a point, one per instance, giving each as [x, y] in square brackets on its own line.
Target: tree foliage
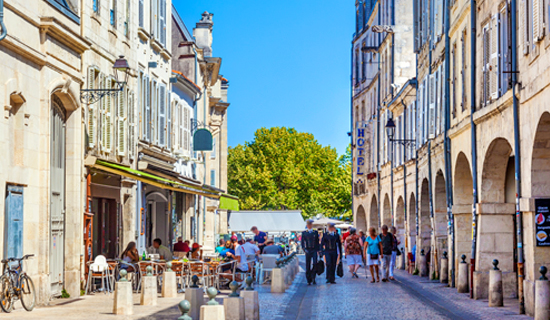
[286, 169]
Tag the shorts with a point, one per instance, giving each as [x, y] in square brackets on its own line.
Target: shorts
[372, 262]
[352, 259]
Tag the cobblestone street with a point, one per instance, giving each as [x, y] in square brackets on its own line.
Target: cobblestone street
[410, 297]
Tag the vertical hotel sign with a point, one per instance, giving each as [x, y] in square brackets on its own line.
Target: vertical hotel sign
[360, 142]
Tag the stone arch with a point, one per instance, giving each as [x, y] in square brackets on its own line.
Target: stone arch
[361, 218]
[540, 162]
[373, 214]
[462, 207]
[496, 162]
[440, 238]
[386, 215]
[424, 220]
[412, 222]
[400, 221]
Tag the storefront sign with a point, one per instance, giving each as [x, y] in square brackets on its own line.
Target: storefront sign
[542, 222]
[360, 159]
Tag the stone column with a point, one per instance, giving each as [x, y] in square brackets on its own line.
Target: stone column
[195, 296]
[463, 286]
[542, 296]
[423, 264]
[149, 291]
[278, 280]
[169, 283]
[251, 301]
[444, 273]
[123, 302]
[233, 304]
[212, 310]
[496, 294]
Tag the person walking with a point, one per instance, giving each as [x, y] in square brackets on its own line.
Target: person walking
[332, 246]
[260, 238]
[373, 249]
[386, 240]
[353, 246]
[310, 245]
[396, 243]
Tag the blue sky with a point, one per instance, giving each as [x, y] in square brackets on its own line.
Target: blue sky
[287, 61]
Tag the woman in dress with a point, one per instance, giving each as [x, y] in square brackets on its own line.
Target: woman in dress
[373, 248]
[353, 246]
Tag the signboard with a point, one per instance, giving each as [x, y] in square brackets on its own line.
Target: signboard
[542, 222]
[362, 151]
[202, 140]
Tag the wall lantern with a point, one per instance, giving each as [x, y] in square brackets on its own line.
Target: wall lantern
[121, 70]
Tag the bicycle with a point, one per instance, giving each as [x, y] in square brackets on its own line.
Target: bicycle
[15, 285]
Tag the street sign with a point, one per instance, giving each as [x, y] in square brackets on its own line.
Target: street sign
[202, 140]
[542, 222]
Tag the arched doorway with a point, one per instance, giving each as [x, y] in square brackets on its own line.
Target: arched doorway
[373, 214]
[400, 221]
[411, 221]
[440, 221]
[360, 219]
[496, 229]
[424, 220]
[462, 208]
[386, 214]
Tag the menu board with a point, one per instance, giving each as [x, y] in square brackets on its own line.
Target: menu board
[542, 222]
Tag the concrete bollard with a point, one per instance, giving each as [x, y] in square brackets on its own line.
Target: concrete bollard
[444, 272]
[423, 264]
[149, 289]
[496, 293]
[169, 285]
[234, 304]
[542, 296]
[403, 259]
[278, 284]
[251, 301]
[123, 303]
[195, 296]
[184, 307]
[463, 286]
[212, 310]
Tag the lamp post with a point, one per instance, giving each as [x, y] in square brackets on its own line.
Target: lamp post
[120, 69]
[390, 131]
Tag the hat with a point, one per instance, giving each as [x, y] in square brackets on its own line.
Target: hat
[248, 239]
[196, 245]
[330, 224]
[309, 221]
[234, 238]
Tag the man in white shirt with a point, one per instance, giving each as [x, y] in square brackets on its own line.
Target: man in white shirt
[247, 249]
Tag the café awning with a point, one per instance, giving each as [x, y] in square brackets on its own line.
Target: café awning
[154, 180]
[229, 202]
[268, 221]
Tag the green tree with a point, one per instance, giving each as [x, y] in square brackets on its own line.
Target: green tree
[285, 169]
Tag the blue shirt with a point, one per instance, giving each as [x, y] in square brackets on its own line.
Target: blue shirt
[260, 238]
[225, 251]
[373, 245]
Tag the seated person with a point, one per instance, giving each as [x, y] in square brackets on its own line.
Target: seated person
[181, 246]
[220, 246]
[196, 253]
[228, 251]
[130, 256]
[271, 248]
[158, 248]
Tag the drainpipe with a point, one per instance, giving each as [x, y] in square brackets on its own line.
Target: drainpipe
[447, 144]
[2, 25]
[405, 174]
[519, 216]
[352, 133]
[378, 144]
[473, 53]
[392, 144]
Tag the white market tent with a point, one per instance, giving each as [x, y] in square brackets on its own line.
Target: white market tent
[325, 221]
[268, 221]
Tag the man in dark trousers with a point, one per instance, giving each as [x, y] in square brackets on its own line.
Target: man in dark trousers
[332, 246]
[310, 245]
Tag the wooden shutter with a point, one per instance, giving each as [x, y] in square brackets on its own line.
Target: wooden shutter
[485, 66]
[14, 218]
[109, 106]
[538, 22]
[169, 120]
[148, 124]
[154, 19]
[416, 19]
[91, 109]
[103, 106]
[463, 71]
[122, 121]
[494, 57]
[131, 124]
[141, 14]
[162, 116]
[432, 102]
[162, 22]
[439, 100]
[523, 26]
[442, 109]
[505, 52]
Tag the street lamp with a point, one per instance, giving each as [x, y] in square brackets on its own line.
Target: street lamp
[390, 131]
[121, 70]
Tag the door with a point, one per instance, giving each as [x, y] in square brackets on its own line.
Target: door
[13, 242]
[57, 196]
[105, 228]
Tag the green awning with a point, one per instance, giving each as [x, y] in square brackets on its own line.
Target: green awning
[229, 202]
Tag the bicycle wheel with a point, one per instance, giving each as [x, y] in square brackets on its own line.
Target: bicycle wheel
[27, 293]
[6, 299]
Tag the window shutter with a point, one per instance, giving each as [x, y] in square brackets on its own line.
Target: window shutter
[505, 56]
[141, 13]
[162, 116]
[494, 65]
[463, 71]
[486, 55]
[442, 109]
[181, 138]
[416, 20]
[169, 121]
[122, 121]
[91, 109]
[432, 100]
[109, 118]
[148, 123]
[154, 18]
[162, 22]
[538, 23]
[524, 31]
[103, 85]
[439, 101]
[131, 124]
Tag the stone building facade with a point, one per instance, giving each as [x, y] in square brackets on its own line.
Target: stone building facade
[474, 96]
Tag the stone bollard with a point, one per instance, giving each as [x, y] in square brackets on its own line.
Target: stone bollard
[185, 307]
[169, 283]
[463, 286]
[251, 301]
[542, 296]
[444, 272]
[233, 304]
[423, 264]
[123, 303]
[403, 259]
[278, 278]
[149, 289]
[212, 310]
[496, 294]
[195, 296]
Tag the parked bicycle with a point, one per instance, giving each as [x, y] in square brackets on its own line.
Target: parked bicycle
[15, 285]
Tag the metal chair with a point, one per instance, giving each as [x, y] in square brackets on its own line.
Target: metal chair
[99, 269]
[178, 268]
[221, 274]
[267, 263]
[201, 270]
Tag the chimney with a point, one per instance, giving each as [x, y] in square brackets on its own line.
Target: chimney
[203, 33]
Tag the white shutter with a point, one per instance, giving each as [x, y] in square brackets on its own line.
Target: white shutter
[141, 14]
[438, 100]
[181, 139]
[131, 124]
[91, 109]
[162, 22]
[432, 99]
[443, 107]
[154, 18]
[169, 121]
[523, 26]
[103, 124]
[494, 67]
[148, 123]
[122, 121]
[538, 24]
[108, 143]
[162, 116]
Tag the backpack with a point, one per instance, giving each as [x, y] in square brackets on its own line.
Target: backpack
[354, 247]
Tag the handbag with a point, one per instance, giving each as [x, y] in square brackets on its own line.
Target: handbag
[398, 252]
[374, 256]
[340, 270]
[320, 267]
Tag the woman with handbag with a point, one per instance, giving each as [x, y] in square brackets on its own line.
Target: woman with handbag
[353, 245]
[373, 249]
